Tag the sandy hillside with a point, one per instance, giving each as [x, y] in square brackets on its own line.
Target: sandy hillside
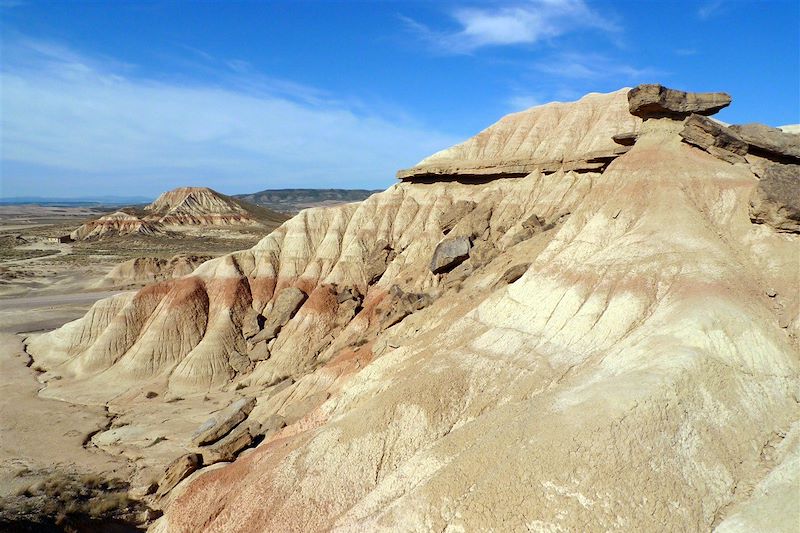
[584, 318]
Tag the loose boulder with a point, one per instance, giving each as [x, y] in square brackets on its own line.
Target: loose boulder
[513, 274]
[770, 142]
[626, 139]
[657, 101]
[777, 198]
[714, 138]
[455, 214]
[450, 253]
[399, 305]
[220, 424]
[378, 261]
[177, 471]
[348, 304]
[240, 363]
[259, 352]
[287, 303]
[227, 448]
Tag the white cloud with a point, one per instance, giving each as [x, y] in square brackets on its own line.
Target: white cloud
[707, 9]
[519, 101]
[524, 23]
[593, 66]
[75, 125]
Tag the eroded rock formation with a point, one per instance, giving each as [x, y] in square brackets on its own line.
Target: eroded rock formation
[617, 352]
[657, 101]
[189, 206]
[142, 270]
[117, 223]
[522, 143]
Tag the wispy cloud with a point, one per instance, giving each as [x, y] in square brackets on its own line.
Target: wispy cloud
[520, 101]
[594, 66]
[76, 124]
[707, 9]
[523, 23]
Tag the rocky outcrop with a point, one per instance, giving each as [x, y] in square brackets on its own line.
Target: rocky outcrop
[227, 448]
[117, 223]
[177, 471]
[657, 101]
[283, 309]
[456, 214]
[450, 253]
[522, 143]
[399, 305]
[777, 198]
[769, 142]
[378, 261]
[514, 273]
[625, 139]
[220, 424]
[714, 138]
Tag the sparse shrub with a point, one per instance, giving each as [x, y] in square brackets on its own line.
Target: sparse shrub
[72, 503]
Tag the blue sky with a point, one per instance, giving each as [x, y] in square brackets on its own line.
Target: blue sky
[134, 98]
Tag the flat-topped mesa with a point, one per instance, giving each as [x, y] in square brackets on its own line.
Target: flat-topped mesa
[657, 101]
[556, 136]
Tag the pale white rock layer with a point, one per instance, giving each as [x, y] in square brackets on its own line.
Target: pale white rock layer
[557, 132]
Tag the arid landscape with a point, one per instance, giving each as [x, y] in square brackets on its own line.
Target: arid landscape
[613, 282]
[453, 267]
[52, 477]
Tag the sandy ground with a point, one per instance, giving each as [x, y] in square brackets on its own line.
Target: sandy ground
[31, 264]
[44, 285]
[39, 436]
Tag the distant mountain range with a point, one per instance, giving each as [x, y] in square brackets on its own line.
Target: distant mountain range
[288, 201]
[291, 201]
[81, 201]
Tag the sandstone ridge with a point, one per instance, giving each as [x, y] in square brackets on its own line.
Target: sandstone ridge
[524, 142]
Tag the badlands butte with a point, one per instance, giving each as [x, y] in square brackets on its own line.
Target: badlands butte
[584, 318]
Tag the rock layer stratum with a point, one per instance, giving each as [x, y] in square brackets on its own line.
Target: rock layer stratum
[190, 206]
[617, 351]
